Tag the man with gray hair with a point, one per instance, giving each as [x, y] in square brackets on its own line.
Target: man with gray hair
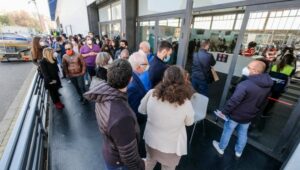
[136, 91]
[145, 47]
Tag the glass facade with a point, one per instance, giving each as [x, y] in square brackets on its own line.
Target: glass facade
[110, 17]
[203, 3]
[147, 7]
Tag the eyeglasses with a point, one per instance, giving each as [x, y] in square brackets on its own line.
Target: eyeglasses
[68, 48]
[144, 64]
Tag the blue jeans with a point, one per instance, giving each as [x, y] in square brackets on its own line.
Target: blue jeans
[79, 85]
[114, 167]
[200, 86]
[242, 130]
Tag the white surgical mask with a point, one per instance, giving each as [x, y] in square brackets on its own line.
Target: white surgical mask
[245, 71]
[167, 59]
[110, 61]
[147, 68]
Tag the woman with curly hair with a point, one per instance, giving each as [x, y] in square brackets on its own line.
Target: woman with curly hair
[169, 110]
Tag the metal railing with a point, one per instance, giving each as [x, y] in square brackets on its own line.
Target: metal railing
[28, 142]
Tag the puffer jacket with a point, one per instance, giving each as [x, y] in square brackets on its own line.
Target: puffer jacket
[248, 98]
[118, 125]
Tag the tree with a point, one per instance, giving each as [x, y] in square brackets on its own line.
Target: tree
[20, 18]
[4, 20]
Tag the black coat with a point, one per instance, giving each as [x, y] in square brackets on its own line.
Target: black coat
[248, 98]
[156, 70]
[50, 72]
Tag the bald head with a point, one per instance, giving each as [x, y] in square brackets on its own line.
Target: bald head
[256, 67]
[145, 47]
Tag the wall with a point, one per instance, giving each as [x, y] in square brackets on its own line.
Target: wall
[74, 15]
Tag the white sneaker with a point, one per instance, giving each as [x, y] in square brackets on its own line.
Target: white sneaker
[238, 155]
[216, 146]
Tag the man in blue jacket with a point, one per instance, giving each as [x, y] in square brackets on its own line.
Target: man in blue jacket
[136, 91]
[246, 101]
[202, 62]
[159, 63]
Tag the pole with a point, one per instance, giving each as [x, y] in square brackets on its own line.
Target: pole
[37, 10]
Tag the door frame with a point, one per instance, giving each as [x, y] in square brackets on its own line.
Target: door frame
[278, 152]
[156, 19]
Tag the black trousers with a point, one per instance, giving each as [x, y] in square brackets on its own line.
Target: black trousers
[53, 90]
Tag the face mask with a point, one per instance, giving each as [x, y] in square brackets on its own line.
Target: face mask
[167, 59]
[89, 42]
[147, 68]
[97, 41]
[110, 61]
[69, 52]
[245, 71]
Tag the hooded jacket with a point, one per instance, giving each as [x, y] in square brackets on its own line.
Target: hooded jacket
[118, 125]
[248, 98]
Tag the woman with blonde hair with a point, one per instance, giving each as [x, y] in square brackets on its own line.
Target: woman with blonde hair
[169, 110]
[50, 71]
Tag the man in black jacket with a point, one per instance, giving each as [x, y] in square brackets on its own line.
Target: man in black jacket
[158, 64]
[117, 122]
[246, 101]
[202, 63]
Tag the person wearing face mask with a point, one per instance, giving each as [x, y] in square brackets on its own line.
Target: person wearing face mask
[269, 57]
[76, 44]
[136, 91]
[123, 45]
[93, 38]
[89, 52]
[75, 67]
[159, 63]
[145, 47]
[201, 68]
[36, 51]
[246, 102]
[103, 60]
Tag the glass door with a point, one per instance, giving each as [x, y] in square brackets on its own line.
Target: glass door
[272, 35]
[147, 33]
[222, 28]
[169, 30]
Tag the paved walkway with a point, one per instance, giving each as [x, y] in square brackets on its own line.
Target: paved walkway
[75, 143]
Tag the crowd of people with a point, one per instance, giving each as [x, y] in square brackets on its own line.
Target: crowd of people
[142, 104]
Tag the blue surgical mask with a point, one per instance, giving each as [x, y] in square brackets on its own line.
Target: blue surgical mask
[167, 59]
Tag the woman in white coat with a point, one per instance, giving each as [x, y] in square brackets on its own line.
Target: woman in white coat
[169, 110]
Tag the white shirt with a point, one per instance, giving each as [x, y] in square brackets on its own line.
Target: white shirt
[165, 128]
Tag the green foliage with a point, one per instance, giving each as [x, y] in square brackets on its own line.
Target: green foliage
[4, 20]
[20, 18]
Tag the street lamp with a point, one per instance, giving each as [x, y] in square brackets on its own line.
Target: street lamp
[37, 10]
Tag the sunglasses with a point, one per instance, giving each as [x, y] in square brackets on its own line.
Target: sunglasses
[68, 49]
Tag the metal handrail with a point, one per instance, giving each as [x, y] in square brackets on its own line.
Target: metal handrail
[25, 147]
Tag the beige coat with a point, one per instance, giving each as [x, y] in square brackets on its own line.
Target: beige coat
[165, 128]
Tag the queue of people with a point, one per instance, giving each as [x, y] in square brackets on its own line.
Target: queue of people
[142, 104]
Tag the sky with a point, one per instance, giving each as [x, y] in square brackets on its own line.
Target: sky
[15, 5]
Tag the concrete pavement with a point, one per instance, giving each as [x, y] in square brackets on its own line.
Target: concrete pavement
[12, 76]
